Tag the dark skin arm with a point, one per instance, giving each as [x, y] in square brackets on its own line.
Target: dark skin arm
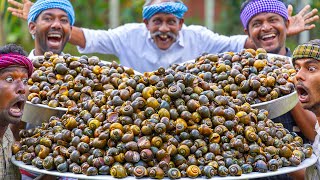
[15, 128]
[77, 37]
[306, 121]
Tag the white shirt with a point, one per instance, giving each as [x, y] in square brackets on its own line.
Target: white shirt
[313, 172]
[31, 54]
[133, 45]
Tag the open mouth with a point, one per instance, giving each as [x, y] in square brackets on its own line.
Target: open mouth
[164, 38]
[54, 40]
[268, 37]
[302, 93]
[16, 110]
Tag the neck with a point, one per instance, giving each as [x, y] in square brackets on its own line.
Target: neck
[283, 51]
[38, 52]
[2, 131]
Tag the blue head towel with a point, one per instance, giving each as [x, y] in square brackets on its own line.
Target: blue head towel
[176, 8]
[42, 5]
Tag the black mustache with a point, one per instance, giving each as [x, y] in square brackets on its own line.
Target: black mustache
[301, 85]
[170, 34]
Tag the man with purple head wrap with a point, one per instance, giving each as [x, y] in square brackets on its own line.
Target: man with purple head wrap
[15, 68]
[266, 24]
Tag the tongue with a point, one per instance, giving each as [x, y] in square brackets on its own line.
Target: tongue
[303, 98]
[54, 42]
[15, 111]
[268, 39]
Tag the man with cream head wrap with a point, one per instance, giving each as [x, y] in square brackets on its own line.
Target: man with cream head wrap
[162, 39]
[15, 68]
[50, 23]
[306, 60]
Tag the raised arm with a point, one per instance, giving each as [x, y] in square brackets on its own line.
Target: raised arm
[301, 21]
[77, 37]
[21, 10]
[306, 121]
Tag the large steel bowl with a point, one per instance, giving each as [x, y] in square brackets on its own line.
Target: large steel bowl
[279, 106]
[37, 113]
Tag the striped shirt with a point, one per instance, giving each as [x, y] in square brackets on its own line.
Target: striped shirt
[8, 171]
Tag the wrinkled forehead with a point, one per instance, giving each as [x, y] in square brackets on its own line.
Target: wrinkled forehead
[305, 61]
[14, 69]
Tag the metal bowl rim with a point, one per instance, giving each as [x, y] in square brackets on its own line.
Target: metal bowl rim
[46, 106]
[274, 100]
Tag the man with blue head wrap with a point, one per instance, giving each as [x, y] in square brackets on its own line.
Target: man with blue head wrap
[50, 23]
[162, 39]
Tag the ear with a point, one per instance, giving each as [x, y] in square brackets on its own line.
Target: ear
[287, 24]
[32, 28]
[181, 21]
[246, 31]
[146, 22]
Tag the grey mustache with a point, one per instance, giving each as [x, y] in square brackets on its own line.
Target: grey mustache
[169, 34]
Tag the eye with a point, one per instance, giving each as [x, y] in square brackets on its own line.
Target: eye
[47, 19]
[256, 24]
[157, 21]
[9, 79]
[64, 20]
[25, 81]
[172, 22]
[312, 68]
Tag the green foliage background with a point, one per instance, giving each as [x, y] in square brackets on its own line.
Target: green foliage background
[94, 14]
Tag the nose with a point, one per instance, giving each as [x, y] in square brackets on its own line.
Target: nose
[21, 88]
[56, 24]
[164, 28]
[299, 76]
[266, 26]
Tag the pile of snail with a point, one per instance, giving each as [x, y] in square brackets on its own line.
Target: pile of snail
[65, 81]
[248, 75]
[175, 122]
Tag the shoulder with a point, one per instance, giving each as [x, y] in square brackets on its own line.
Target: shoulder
[127, 30]
[8, 135]
[133, 26]
[195, 28]
[196, 31]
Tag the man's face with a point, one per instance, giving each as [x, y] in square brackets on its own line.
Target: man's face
[307, 82]
[52, 31]
[14, 90]
[164, 29]
[268, 31]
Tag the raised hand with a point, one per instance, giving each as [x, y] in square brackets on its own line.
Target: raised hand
[20, 9]
[301, 21]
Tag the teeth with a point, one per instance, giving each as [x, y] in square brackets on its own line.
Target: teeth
[268, 36]
[163, 36]
[54, 35]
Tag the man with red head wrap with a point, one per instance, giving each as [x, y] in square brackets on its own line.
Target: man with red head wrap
[15, 69]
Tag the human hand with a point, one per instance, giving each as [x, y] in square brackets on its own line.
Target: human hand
[20, 10]
[301, 21]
